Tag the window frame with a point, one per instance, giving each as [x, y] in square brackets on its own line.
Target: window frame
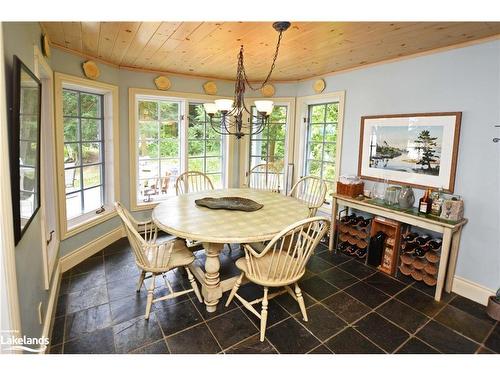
[135, 94]
[110, 154]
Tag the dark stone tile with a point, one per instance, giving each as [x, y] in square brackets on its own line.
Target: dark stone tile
[122, 245]
[484, 350]
[128, 307]
[62, 303]
[252, 345]
[120, 266]
[291, 305]
[382, 332]
[317, 288]
[322, 349]
[221, 308]
[408, 280]
[321, 322]
[136, 333]
[86, 321]
[86, 281]
[445, 340]
[420, 301]
[317, 265]
[334, 258]
[347, 307]
[56, 349]
[385, 283]
[431, 291]
[357, 269]
[416, 346]
[290, 336]
[464, 323]
[97, 342]
[367, 294]
[231, 328]
[87, 298]
[338, 278]
[94, 265]
[57, 336]
[403, 315]
[275, 313]
[493, 340]
[472, 308]
[175, 318]
[351, 342]
[196, 340]
[158, 347]
[250, 291]
[122, 288]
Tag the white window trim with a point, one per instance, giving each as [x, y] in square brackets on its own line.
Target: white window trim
[245, 142]
[303, 103]
[112, 154]
[134, 94]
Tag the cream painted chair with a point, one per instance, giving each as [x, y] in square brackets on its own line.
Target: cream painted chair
[191, 182]
[312, 190]
[281, 264]
[154, 258]
[264, 177]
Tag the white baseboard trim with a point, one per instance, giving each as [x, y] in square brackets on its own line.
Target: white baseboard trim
[471, 290]
[79, 255]
[52, 302]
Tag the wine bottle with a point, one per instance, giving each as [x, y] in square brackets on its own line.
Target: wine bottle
[435, 243]
[347, 218]
[410, 236]
[364, 223]
[425, 203]
[424, 238]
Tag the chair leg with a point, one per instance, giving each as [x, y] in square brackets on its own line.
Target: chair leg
[149, 302]
[300, 300]
[234, 290]
[263, 316]
[141, 280]
[192, 281]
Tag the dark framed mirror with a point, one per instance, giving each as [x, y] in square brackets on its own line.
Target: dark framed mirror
[25, 147]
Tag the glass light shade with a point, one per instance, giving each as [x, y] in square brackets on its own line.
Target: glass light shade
[265, 106]
[224, 104]
[210, 108]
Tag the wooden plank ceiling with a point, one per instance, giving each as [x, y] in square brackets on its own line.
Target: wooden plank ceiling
[210, 49]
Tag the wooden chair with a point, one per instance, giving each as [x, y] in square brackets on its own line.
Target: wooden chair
[311, 190]
[155, 258]
[190, 182]
[281, 264]
[264, 177]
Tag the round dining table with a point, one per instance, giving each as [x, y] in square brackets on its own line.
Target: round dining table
[180, 216]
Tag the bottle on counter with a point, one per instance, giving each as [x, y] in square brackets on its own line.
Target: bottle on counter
[425, 203]
[437, 202]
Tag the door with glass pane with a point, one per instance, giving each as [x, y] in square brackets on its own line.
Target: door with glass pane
[321, 147]
[268, 148]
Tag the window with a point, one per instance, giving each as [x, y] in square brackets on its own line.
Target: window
[84, 159]
[321, 147]
[205, 146]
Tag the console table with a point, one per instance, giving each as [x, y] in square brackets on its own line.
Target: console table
[451, 232]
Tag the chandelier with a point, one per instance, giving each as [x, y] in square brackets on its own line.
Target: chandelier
[226, 115]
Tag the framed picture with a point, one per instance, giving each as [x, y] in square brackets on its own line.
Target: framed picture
[418, 149]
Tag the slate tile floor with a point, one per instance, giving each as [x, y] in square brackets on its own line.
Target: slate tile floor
[352, 308]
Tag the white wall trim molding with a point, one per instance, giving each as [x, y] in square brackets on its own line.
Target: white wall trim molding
[79, 255]
[51, 304]
[471, 290]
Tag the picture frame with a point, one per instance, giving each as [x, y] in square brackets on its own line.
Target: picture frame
[417, 149]
[25, 147]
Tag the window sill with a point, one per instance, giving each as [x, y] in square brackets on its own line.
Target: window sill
[84, 222]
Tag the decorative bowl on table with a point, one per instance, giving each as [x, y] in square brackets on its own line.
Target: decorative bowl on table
[229, 203]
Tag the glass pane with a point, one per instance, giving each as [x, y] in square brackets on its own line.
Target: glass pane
[27, 153]
[91, 153]
[148, 150]
[92, 176]
[278, 114]
[213, 148]
[170, 168]
[332, 111]
[317, 113]
[169, 110]
[331, 133]
[196, 148]
[90, 105]
[196, 131]
[277, 131]
[148, 110]
[329, 171]
[196, 164]
[216, 180]
[148, 169]
[169, 129]
[71, 154]
[259, 148]
[313, 168]
[27, 204]
[169, 149]
[329, 191]
[72, 179]
[276, 150]
[92, 199]
[91, 130]
[214, 165]
[316, 133]
[148, 130]
[256, 161]
[315, 151]
[70, 129]
[277, 165]
[70, 103]
[28, 128]
[73, 205]
[211, 133]
[330, 151]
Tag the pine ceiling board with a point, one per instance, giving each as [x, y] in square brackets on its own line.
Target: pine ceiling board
[55, 32]
[90, 38]
[72, 35]
[125, 36]
[142, 37]
[161, 36]
[107, 39]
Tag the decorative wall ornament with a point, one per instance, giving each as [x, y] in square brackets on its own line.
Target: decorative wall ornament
[268, 90]
[319, 85]
[45, 45]
[91, 70]
[210, 88]
[162, 83]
